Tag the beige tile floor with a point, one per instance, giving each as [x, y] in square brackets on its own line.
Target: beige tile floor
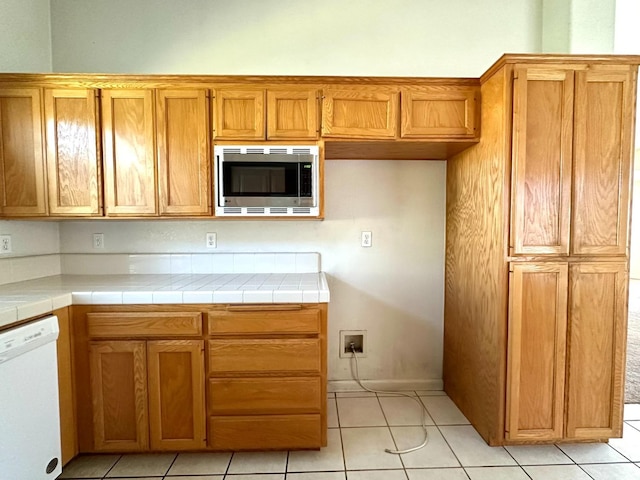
[362, 425]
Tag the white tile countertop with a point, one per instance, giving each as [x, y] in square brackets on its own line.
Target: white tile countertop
[31, 298]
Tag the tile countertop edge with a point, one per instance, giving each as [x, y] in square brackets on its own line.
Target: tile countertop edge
[38, 303]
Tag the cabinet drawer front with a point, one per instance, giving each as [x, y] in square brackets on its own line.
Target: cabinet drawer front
[127, 324]
[300, 355]
[241, 320]
[264, 395]
[269, 432]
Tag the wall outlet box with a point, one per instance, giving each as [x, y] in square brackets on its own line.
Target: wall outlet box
[359, 340]
[5, 244]
[212, 240]
[98, 241]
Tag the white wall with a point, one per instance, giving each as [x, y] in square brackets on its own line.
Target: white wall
[25, 36]
[394, 289]
[305, 37]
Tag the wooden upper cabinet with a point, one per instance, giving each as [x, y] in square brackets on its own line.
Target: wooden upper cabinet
[129, 152]
[292, 114]
[536, 351]
[177, 419]
[72, 152]
[360, 113]
[239, 114]
[184, 173]
[596, 352]
[542, 150]
[22, 171]
[439, 111]
[602, 160]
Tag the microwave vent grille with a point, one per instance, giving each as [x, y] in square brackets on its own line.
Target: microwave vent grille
[231, 150]
[301, 210]
[255, 210]
[232, 210]
[278, 210]
[301, 151]
[278, 151]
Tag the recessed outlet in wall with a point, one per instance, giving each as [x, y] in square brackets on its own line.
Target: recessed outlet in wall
[359, 340]
[212, 240]
[5, 244]
[366, 239]
[98, 240]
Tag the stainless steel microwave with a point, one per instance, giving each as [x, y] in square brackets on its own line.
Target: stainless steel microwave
[266, 180]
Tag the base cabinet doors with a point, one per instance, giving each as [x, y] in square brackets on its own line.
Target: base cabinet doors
[566, 344]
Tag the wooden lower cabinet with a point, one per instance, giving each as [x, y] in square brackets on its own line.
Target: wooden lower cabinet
[566, 344]
[141, 383]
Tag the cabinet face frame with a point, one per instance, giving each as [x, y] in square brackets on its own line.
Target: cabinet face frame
[596, 352]
[292, 114]
[541, 175]
[239, 114]
[536, 366]
[116, 167]
[32, 153]
[360, 112]
[74, 177]
[603, 160]
[180, 172]
[440, 108]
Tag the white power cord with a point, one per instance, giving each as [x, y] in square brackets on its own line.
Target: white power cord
[423, 410]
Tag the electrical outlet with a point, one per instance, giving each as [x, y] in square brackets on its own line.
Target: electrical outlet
[366, 239]
[359, 340]
[5, 244]
[98, 241]
[212, 240]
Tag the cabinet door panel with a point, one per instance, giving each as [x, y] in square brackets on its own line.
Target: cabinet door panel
[292, 114]
[72, 160]
[536, 351]
[542, 142]
[176, 394]
[439, 111]
[129, 162]
[119, 392]
[22, 177]
[597, 345]
[359, 113]
[239, 114]
[602, 162]
[183, 152]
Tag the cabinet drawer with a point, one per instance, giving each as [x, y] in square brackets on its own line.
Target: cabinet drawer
[135, 324]
[268, 432]
[264, 395]
[238, 320]
[268, 355]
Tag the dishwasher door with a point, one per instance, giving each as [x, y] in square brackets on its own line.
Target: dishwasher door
[29, 407]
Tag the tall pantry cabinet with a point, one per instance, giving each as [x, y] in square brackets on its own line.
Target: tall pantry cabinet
[538, 251]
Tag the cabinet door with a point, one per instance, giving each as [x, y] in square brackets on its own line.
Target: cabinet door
[536, 351]
[439, 111]
[22, 177]
[239, 114]
[597, 345]
[129, 152]
[119, 392]
[602, 161]
[541, 171]
[73, 172]
[183, 152]
[176, 394]
[359, 113]
[292, 114]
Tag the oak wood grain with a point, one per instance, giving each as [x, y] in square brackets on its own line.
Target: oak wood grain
[66, 387]
[292, 114]
[73, 171]
[239, 114]
[22, 169]
[144, 324]
[302, 319]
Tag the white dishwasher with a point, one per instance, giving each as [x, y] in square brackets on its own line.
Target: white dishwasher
[29, 411]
